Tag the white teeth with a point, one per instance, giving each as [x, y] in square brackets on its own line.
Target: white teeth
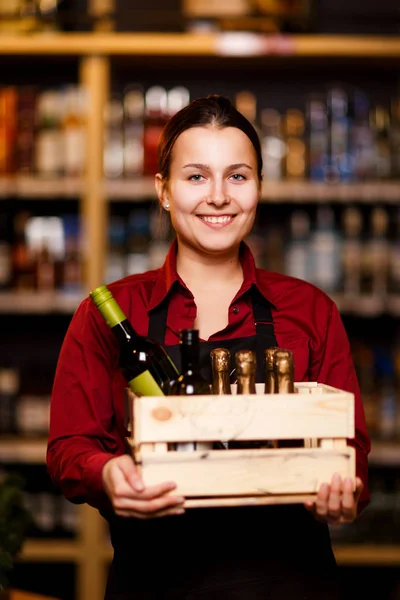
[215, 220]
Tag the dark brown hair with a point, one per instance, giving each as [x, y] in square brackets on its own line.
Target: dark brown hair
[213, 110]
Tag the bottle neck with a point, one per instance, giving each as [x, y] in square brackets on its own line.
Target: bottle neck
[285, 384]
[246, 384]
[221, 383]
[124, 331]
[190, 354]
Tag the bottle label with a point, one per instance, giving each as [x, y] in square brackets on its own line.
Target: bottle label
[145, 385]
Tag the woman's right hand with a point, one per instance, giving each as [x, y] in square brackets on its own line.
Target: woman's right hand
[129, 496]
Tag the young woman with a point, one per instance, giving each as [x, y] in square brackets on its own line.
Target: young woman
[209, 182]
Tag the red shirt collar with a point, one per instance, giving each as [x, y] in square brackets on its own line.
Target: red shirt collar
[168, 276]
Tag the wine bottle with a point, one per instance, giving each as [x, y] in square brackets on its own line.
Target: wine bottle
[144, 363]
[283, 371]
[270, 384]
[220, 363]
[191, 382]
[246, 372]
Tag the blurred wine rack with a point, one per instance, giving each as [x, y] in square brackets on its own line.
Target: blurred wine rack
[101, 63]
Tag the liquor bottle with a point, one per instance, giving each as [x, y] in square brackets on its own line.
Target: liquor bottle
[246, 372]
[191, 382]
[270, 386]
[220, 363]
[295, 158]
[144, 363]
[133, 131]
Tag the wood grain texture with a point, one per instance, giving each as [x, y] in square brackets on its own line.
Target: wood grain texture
[321, 414]
[248, 472]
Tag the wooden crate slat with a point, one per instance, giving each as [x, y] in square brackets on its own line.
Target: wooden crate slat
[210, 418]
[248, 472]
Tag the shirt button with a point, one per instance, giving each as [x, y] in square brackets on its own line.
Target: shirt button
[235, 310]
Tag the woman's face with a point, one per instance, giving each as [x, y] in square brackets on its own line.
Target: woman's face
[213, 188]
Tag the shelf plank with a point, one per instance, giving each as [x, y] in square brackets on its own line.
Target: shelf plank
[134, 190]
[368, 554]
[22, 302]
[50, 550]
[23, 450]
[199, 44]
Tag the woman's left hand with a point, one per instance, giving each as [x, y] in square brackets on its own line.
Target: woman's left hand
[336, 502]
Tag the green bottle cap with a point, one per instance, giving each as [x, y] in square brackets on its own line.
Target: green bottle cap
[100, 295]
[107, 305]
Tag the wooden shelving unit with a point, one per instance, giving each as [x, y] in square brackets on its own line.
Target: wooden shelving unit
[90, 551]
[137, 190]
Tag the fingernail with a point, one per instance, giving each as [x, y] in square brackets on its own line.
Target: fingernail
[180, 500]
[179, 511]
[337, 479]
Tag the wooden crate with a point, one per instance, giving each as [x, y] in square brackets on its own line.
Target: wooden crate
[320, 415]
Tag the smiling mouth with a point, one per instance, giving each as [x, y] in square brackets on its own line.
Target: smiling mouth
[220, 220]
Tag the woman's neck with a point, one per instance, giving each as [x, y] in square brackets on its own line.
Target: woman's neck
[208, 271]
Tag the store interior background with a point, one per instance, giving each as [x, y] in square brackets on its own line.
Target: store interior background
[77, 207]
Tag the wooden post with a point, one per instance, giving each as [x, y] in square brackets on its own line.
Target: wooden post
[94, 76]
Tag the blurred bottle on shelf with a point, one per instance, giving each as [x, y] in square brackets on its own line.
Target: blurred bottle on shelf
[394, 136]
[25, 138]
[272, 145]
[325, 247]
[114, 138]
[115, 262]
[380, 125]
[295, 153]
[73, 126]
[138, 239]
[394, 260]
[177, 98]
[49, 148]
[352, 251]
[318, 137]
[338, 167]
[375, 258]
[23, 266]
[9, 390]
[362, 148]
[5, 253]
[71, 276]
[156, 115]
[8, 129]
[133, 130]
[298, 254]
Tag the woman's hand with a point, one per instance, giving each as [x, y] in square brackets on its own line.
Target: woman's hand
[336, 502]
[129, 496]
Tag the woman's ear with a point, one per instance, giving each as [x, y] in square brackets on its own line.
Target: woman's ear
[162, 191]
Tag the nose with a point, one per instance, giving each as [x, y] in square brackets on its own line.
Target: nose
[218, 195]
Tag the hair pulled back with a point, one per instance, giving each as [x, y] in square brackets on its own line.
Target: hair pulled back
[214, 111]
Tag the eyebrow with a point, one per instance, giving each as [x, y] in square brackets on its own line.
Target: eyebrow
[208, 168]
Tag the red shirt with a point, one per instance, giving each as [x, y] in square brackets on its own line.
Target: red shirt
[87, 415]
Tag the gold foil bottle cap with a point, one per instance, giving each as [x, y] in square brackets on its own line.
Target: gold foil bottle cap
[283, 362]
[221, 359]
[245, 362]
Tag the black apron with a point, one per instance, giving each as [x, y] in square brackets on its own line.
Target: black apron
[235, 553]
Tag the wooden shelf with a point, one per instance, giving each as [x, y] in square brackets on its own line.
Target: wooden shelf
[39, 302]
[368, 554]
[23, 450]
[199, 44]
[134, 190]
[51, 550]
